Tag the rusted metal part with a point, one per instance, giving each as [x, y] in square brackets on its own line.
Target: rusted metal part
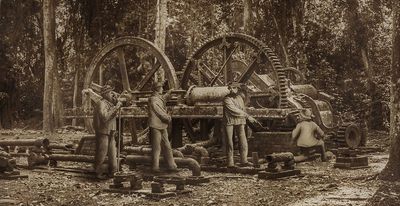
[198, 95]
[194, 150]
[7, 163]
[179, 182]
[306, 89]
[279, 157]
[135, 180]
[35, 159]
[26, 142]
[189, 163]
[143, 150]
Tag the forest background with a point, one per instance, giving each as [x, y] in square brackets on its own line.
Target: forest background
[343, 47]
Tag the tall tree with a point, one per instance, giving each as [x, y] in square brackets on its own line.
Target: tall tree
[392, 169]
[246, 16]
[49, 35]
[160, 29]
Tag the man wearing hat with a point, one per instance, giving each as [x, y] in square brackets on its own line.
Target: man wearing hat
[308, 133]
[234, 118]
[104, 122]
[158, 123]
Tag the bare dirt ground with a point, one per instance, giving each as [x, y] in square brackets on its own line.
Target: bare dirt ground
[321, 184]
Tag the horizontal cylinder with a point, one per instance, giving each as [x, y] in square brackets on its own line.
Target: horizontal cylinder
[306, 89]
[71, 158]
[279, 157]
[26, 142]
[206, 95]
[191, 149]
[189, 163]
[141, 150]
[61, 146]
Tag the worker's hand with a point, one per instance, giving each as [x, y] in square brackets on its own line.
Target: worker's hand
[169, 91]
[85, 92]
[251, 119]
[119, 104]
[169, 119]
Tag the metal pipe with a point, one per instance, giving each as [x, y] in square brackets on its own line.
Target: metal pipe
[26, 142]
[61, 146]
[189, 163]
[206, 94]
[279, 157]
[71, 158]
[143, 150]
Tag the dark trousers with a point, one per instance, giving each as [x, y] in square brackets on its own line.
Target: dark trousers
[105, 146]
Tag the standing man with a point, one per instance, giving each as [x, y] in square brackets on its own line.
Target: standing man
[158, 123]
[234, 118]
[104, 123]
[309, 134]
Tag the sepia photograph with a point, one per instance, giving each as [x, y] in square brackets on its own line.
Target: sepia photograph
[199, 102]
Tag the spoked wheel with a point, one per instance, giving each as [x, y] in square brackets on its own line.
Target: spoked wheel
[129, 64]
[236, 58]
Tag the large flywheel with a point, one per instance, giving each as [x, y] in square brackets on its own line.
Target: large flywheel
[129, 64]
[236, 58]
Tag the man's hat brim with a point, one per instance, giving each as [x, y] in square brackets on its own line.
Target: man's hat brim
[235, 85]
[105, 89]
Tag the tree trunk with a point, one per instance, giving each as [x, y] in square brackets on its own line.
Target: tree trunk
[392, 169]
[246, 16]
[50, 62]
[75, 96]
[360, 38]
[161, 25]
[281, 28]
[57, 104]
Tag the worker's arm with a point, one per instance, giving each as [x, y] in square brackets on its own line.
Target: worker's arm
[107, 113]
[167, 95]
[319, 131]
[234, 111]
[295, 133]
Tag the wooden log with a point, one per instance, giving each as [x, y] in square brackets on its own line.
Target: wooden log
[279, 157]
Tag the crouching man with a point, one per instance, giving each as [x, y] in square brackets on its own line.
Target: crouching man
[308, 134]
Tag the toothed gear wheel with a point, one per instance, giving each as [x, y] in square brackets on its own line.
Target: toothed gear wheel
[261, 66]
[348, 135]
[266, 55]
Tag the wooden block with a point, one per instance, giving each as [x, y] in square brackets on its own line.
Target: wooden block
[353, 161]
[195, 180]
[12, 177]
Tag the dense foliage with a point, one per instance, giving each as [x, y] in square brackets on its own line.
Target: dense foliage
[324, 39]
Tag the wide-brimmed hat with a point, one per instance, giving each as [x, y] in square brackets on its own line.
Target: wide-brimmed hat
[105, 89]
[232, 85]
[306, 114]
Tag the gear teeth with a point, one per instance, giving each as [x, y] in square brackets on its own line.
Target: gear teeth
[269, 53]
